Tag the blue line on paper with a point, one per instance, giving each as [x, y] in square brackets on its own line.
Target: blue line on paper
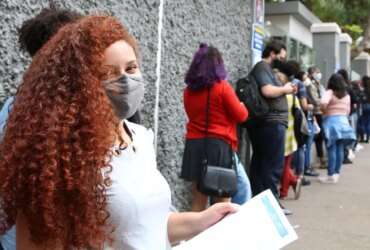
[274, 217]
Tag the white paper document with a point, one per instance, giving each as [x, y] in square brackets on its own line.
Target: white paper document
[260, 224]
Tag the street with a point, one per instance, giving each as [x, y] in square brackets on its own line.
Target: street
[335, 217]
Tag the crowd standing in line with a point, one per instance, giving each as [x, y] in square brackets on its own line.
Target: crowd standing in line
[72, 151]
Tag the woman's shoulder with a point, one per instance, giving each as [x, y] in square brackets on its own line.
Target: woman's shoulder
[139, 132]
[224, 86]
[135, 127]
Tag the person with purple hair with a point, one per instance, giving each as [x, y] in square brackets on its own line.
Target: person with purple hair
[208, 92]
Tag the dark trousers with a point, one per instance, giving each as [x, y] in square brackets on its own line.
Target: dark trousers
[268, 144]
[319, 139]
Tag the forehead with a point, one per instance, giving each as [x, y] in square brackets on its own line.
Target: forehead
[282, 51]
[119, 53]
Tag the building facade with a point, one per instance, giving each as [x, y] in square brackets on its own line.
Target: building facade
[291, 22]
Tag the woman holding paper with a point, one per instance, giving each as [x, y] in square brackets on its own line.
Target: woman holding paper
[74, 173]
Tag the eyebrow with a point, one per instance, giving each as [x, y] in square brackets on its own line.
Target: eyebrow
[131, 63]
[116, 67]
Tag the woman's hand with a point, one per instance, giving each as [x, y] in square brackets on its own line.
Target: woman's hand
[215, 213]
[183, 226]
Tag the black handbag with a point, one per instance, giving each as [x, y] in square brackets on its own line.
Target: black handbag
[300, 124]
[216, 181]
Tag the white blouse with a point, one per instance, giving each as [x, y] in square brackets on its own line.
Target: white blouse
[139, 197]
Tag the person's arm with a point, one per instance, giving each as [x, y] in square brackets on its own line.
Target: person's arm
[233, 106]
[270, 91]
[265, 79]
[304, 104]
[327, 96]
[183, 226]
[313, 98]
[348, 106]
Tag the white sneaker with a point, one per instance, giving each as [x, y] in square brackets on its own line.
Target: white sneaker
[328, 179]
[359, 147]
[336, 177]
[351, 155]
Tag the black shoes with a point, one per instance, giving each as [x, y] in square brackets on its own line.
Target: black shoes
[347, 161]
[305, 182]
[311, 173]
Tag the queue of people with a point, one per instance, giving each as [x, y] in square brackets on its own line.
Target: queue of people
[78, 171]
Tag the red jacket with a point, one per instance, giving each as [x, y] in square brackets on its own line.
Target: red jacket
[225, 112]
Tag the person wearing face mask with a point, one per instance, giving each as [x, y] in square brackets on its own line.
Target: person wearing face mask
[33, 34]
[312, 127]
[125, 93]
[292, 69]
[315, 91]
[267, 134]
[75, 173]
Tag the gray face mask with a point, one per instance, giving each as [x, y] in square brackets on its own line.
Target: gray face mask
[125, 94]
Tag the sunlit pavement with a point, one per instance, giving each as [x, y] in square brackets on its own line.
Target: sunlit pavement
[335, 216]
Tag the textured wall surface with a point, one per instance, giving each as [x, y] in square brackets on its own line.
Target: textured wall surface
[225, 24]
[140, 17]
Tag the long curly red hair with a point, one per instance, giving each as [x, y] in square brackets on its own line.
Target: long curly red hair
[58, 139]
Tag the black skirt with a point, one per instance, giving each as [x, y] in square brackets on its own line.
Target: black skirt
[219, 153]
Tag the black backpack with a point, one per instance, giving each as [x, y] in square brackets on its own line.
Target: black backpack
[248, 92]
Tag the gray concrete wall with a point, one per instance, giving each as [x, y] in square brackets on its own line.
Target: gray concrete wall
[345, 56]
[326, 46]
[224, 23]
[361, 64]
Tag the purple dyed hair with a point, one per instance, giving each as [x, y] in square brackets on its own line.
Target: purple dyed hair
[206, 69]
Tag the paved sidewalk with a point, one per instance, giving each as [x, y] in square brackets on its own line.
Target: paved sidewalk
[335, 217]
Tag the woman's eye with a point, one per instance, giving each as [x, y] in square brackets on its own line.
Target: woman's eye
[131, 69]
[111, 72]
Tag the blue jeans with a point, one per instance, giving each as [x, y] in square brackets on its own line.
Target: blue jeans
[299, 160]
[268, 143]
[244, 187]
[335, 157]
[7, 240]
[308, 148]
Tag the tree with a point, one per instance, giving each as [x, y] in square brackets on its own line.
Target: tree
[352, 15]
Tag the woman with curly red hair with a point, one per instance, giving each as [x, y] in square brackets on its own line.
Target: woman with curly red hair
[73, 172]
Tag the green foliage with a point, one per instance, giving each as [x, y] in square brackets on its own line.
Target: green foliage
[330, 11]
[354, 30]
[343, 12]
[351, 15]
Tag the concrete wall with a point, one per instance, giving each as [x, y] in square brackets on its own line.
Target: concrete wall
[327, 54]
[224, 23]
[280, 24]
[345, 56]
[300, 32]
[290, 26]
[361, 64]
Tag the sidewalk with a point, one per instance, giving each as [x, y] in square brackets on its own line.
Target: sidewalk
[335, 217]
